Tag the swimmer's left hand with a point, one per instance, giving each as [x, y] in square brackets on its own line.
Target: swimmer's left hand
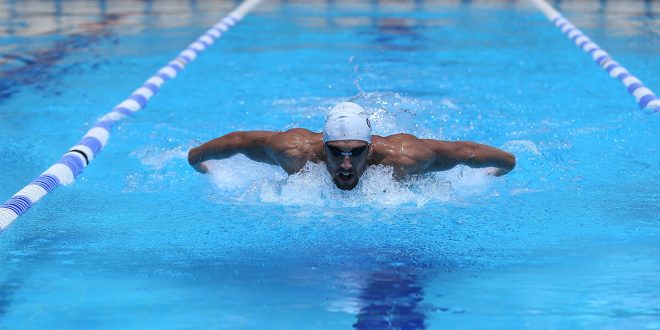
[201, 168]
[497, 171]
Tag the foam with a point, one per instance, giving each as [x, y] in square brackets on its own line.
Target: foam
[390, 113]
[518, 146]
[157, 158]
[239, 172]
[248, 181]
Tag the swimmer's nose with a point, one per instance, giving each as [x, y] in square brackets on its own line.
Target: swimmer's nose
[346, 164]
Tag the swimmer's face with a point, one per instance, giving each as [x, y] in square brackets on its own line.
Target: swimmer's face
[346, 161]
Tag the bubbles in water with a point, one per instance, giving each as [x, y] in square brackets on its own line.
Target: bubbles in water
[163, 169]
[241, 179]
[239, 172]
[390, 113]
[157, 158]
[393, 113]
[519, 146]
[248, 181]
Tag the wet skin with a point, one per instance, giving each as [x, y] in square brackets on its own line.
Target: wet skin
[405, 153]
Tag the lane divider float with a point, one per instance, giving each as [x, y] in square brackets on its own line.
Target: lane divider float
[646, 99]
[72, 163]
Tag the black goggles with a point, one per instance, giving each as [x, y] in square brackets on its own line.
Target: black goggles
[353, 153]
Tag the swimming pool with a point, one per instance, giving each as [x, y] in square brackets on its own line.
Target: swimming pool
[567, 240]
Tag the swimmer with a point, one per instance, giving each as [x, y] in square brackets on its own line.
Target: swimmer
[347, 148]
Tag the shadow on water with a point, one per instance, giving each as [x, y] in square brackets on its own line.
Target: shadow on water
[7, 291]
[38, 67]
[395, 33]
[391, 300]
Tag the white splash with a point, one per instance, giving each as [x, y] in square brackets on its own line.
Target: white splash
[248, 181]
[156, 158]
[517, 146]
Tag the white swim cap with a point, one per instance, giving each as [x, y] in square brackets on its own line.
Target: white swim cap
[347, 121]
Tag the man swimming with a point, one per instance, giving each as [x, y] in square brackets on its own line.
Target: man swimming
[347, 148]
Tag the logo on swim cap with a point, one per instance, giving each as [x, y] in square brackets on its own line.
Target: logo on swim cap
[347, 121]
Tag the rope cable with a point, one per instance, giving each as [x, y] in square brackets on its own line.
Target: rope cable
[646, 99]
[72, 163]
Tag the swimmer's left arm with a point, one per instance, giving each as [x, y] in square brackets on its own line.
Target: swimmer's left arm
[449, 154]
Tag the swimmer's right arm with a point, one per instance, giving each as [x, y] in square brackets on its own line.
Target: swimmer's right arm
[253, 144]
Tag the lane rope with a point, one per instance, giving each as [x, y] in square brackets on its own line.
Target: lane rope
[72, 163]
[646, 99]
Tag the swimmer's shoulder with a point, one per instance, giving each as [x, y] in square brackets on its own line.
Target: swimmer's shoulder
[395, 140]
[299, 135]
[400, 150]
[303, 132]
[301, 139]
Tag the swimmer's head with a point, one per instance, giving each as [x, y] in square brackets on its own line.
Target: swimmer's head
[347, 121]
[347, 144]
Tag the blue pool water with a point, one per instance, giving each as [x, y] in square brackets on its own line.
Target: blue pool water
[569, 239]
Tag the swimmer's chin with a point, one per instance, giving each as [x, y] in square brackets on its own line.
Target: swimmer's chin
[346, 185]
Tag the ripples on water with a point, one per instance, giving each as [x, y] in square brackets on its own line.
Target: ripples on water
[245, 181]
[574, 224]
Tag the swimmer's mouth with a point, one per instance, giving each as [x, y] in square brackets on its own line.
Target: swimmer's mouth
[345, 176]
